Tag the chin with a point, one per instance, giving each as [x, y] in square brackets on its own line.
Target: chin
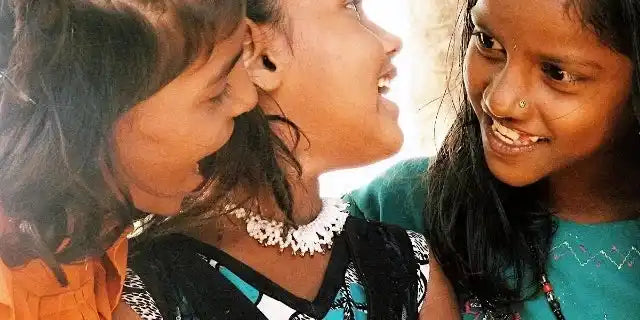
[513, 176]
[388, 143]
[148, 203]
[394, 143]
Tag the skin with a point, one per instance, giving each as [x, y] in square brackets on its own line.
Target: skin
[309, 71]
[576, 91]
[161, 164]
[336, 105]
[327, 85]
[160, 141]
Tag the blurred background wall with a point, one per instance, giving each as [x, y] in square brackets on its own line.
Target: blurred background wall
[424, 68]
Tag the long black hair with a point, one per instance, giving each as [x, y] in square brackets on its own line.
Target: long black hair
[73, 68]
[493, 240]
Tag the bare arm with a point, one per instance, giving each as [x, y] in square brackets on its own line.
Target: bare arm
[440, 301]
[124, 312]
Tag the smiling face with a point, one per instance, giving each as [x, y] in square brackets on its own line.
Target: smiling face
[160, 141]
[547, 92]
[331, 69]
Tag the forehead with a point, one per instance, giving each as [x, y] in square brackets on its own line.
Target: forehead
[294, 8]
[552, 23]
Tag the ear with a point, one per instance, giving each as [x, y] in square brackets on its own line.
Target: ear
[266, 55]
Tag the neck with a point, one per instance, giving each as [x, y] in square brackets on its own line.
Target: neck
[600, 189]
[307, 203]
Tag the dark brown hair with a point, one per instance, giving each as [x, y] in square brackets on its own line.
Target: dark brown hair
[255, 160]
[74, 66]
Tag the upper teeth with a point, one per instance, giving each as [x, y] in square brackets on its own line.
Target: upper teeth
[506, 131]
[512, 135]
[384, 82]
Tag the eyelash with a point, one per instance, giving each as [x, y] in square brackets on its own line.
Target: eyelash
[223, 95]
[547, 68]
[354, 5]
[480, 36]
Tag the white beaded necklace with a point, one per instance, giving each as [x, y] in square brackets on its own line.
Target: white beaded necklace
[309, 238]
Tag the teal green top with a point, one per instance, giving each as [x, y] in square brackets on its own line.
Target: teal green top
[594, 269]
[397, 197]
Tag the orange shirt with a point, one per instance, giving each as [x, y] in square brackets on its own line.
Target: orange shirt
[31, 292]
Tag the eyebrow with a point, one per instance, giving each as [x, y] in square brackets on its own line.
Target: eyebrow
[227, 68]
[476, 15]
[571, 60]
[476, 19]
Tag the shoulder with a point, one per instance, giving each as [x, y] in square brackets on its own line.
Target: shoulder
[383, 239]
[421, 255]
[390, 253]
[396, 197]
[420, 247]
[408, 172]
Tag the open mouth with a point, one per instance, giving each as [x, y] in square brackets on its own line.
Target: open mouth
[384, 82]
[514, 137]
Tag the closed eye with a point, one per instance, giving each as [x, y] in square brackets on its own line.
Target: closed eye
[219, 99]
[354, 5]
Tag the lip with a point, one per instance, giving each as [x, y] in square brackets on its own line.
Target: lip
[390, 108]
[503, 149]
[390, 72]
[490, 118]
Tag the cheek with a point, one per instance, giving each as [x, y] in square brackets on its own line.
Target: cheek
[341, 57]
[477, 75]
[596, 121]
[243, 95]
[585, 133]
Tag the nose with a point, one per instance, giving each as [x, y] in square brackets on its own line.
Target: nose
[245, 96]
[391, 43]
[506, 96]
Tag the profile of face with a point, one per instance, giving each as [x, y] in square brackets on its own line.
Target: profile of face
[547, 92]
[328, 67]
[160, 141]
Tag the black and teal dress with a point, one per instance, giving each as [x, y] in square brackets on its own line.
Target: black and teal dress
[594, 268]
[375, 272]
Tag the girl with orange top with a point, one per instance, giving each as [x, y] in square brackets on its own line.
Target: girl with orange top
[111, 110]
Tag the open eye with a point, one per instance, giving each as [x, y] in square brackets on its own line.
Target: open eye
[555, 73]
[487, 42]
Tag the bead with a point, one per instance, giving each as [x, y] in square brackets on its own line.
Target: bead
[554, 304]
[306, 239]
[550, 297]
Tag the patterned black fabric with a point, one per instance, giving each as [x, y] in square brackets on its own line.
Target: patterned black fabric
[384, 256]
[384, 259]
[184, 285]
[139, 299]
